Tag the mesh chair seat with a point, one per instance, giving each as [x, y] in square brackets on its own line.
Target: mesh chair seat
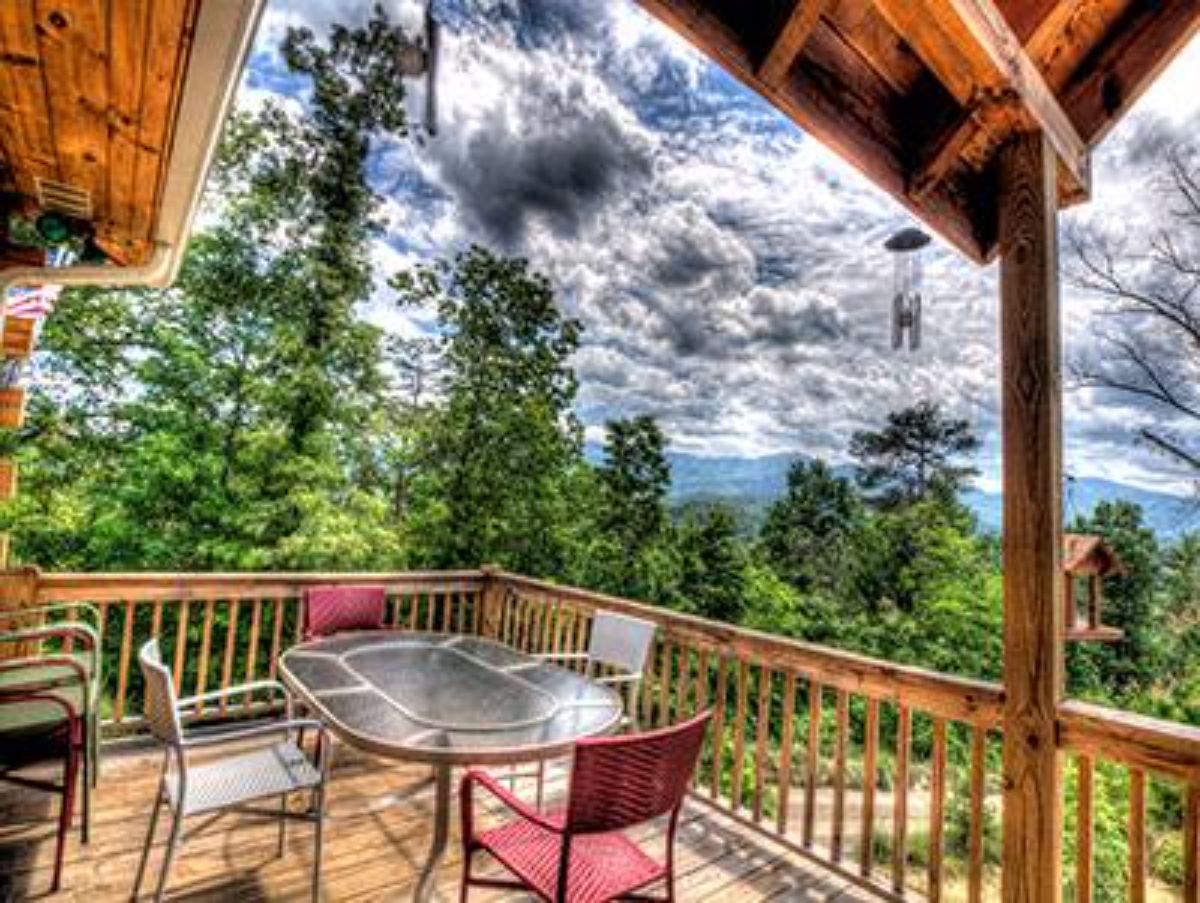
[602, 866]
[243, 778]
[24, 721]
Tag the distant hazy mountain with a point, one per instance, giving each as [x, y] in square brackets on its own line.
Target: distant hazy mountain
[751, 484]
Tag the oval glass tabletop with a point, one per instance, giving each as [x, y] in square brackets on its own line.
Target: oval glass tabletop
[446, 698]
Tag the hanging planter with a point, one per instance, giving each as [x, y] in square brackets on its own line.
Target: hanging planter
[12, 407]
[18, 336]
[8, 479]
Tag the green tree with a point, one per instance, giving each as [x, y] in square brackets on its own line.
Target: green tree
[497, 458]
[919, 453]
[713, 565]
[632, 519]
[812, 534]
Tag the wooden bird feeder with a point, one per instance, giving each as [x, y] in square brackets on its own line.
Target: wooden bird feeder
[1087, 561]
[18, 337]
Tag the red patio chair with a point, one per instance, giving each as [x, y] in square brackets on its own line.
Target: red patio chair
[581, 856]
[332, 609]
[41, 726]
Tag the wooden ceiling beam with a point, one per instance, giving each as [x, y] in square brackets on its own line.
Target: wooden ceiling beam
[1116, 73]
[791, 40]
[937, 34]
[996, 39]
[824, 118]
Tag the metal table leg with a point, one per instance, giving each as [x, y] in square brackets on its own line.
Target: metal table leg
[441, 833]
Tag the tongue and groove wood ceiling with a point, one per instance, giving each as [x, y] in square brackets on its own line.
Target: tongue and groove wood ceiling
[89, 91]
[920, 94]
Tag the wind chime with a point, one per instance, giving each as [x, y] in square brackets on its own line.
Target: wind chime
[420, 57]
[905, 247]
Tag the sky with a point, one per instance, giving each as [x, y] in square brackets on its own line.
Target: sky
[727, 268]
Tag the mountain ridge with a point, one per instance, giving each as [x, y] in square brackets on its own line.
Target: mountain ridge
[751, 483]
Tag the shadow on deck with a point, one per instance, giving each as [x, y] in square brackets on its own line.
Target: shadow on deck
[371, 853]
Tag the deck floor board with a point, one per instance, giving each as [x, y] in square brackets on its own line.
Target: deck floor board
[370, 853]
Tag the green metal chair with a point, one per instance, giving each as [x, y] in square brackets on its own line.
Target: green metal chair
[75, 664]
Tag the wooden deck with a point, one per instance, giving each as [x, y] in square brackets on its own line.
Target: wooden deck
[370, 854]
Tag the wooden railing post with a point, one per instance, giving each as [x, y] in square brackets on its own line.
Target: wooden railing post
[492, 596]
[1031, 394]
[18, 590]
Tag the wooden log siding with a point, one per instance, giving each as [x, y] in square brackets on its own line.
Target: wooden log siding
[791, 721]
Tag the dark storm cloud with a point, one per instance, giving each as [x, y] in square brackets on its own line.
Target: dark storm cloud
[538, 164]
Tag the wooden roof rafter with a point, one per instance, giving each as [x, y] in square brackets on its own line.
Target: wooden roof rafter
[920, 95]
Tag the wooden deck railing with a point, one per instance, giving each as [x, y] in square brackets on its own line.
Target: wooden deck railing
[885, 773]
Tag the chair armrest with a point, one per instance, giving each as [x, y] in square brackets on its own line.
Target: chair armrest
[255, 730]
[188, 702]
[72, 609]
[619, 678]
[62, 630]
[563, 656]
[509, 799]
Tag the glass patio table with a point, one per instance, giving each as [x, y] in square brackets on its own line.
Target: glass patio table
[445, 700]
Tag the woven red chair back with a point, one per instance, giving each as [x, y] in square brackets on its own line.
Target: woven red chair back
[331, 609]
[618, 782]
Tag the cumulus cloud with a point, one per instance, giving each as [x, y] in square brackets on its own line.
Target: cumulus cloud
[729, 270]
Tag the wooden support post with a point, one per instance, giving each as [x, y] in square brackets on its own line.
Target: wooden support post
[1032, 480]
[492, 597]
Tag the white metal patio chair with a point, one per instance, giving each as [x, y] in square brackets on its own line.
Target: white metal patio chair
[228, 783]
[618, 649]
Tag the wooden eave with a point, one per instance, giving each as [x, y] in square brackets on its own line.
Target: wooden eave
[920, 95]
[89, 97]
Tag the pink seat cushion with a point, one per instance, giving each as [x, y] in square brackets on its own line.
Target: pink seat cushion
[331, 609]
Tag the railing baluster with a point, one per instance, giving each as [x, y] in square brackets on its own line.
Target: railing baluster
[900, 804]
[205, 645]
[762, 732]
[812, 757]
[477, 613]
[180, 645]
[156, 620]
[276, 639]
[431, 611]
[230, 645]
[1084, 827]
[414, 603]
[1137, 835]
[787, 739]
[649, 683]
[252, 650]
[448, 600]
[937, 809]
[123, 667]
[739, 732]
[718, 728]
[683, 682]
[866, 851]
[839, 775]
[1191, 840]
[978, 776]
[664, 685]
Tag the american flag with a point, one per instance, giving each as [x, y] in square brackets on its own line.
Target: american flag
[37, 301]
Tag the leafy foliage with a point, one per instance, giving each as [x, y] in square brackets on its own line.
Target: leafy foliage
[917, 454]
